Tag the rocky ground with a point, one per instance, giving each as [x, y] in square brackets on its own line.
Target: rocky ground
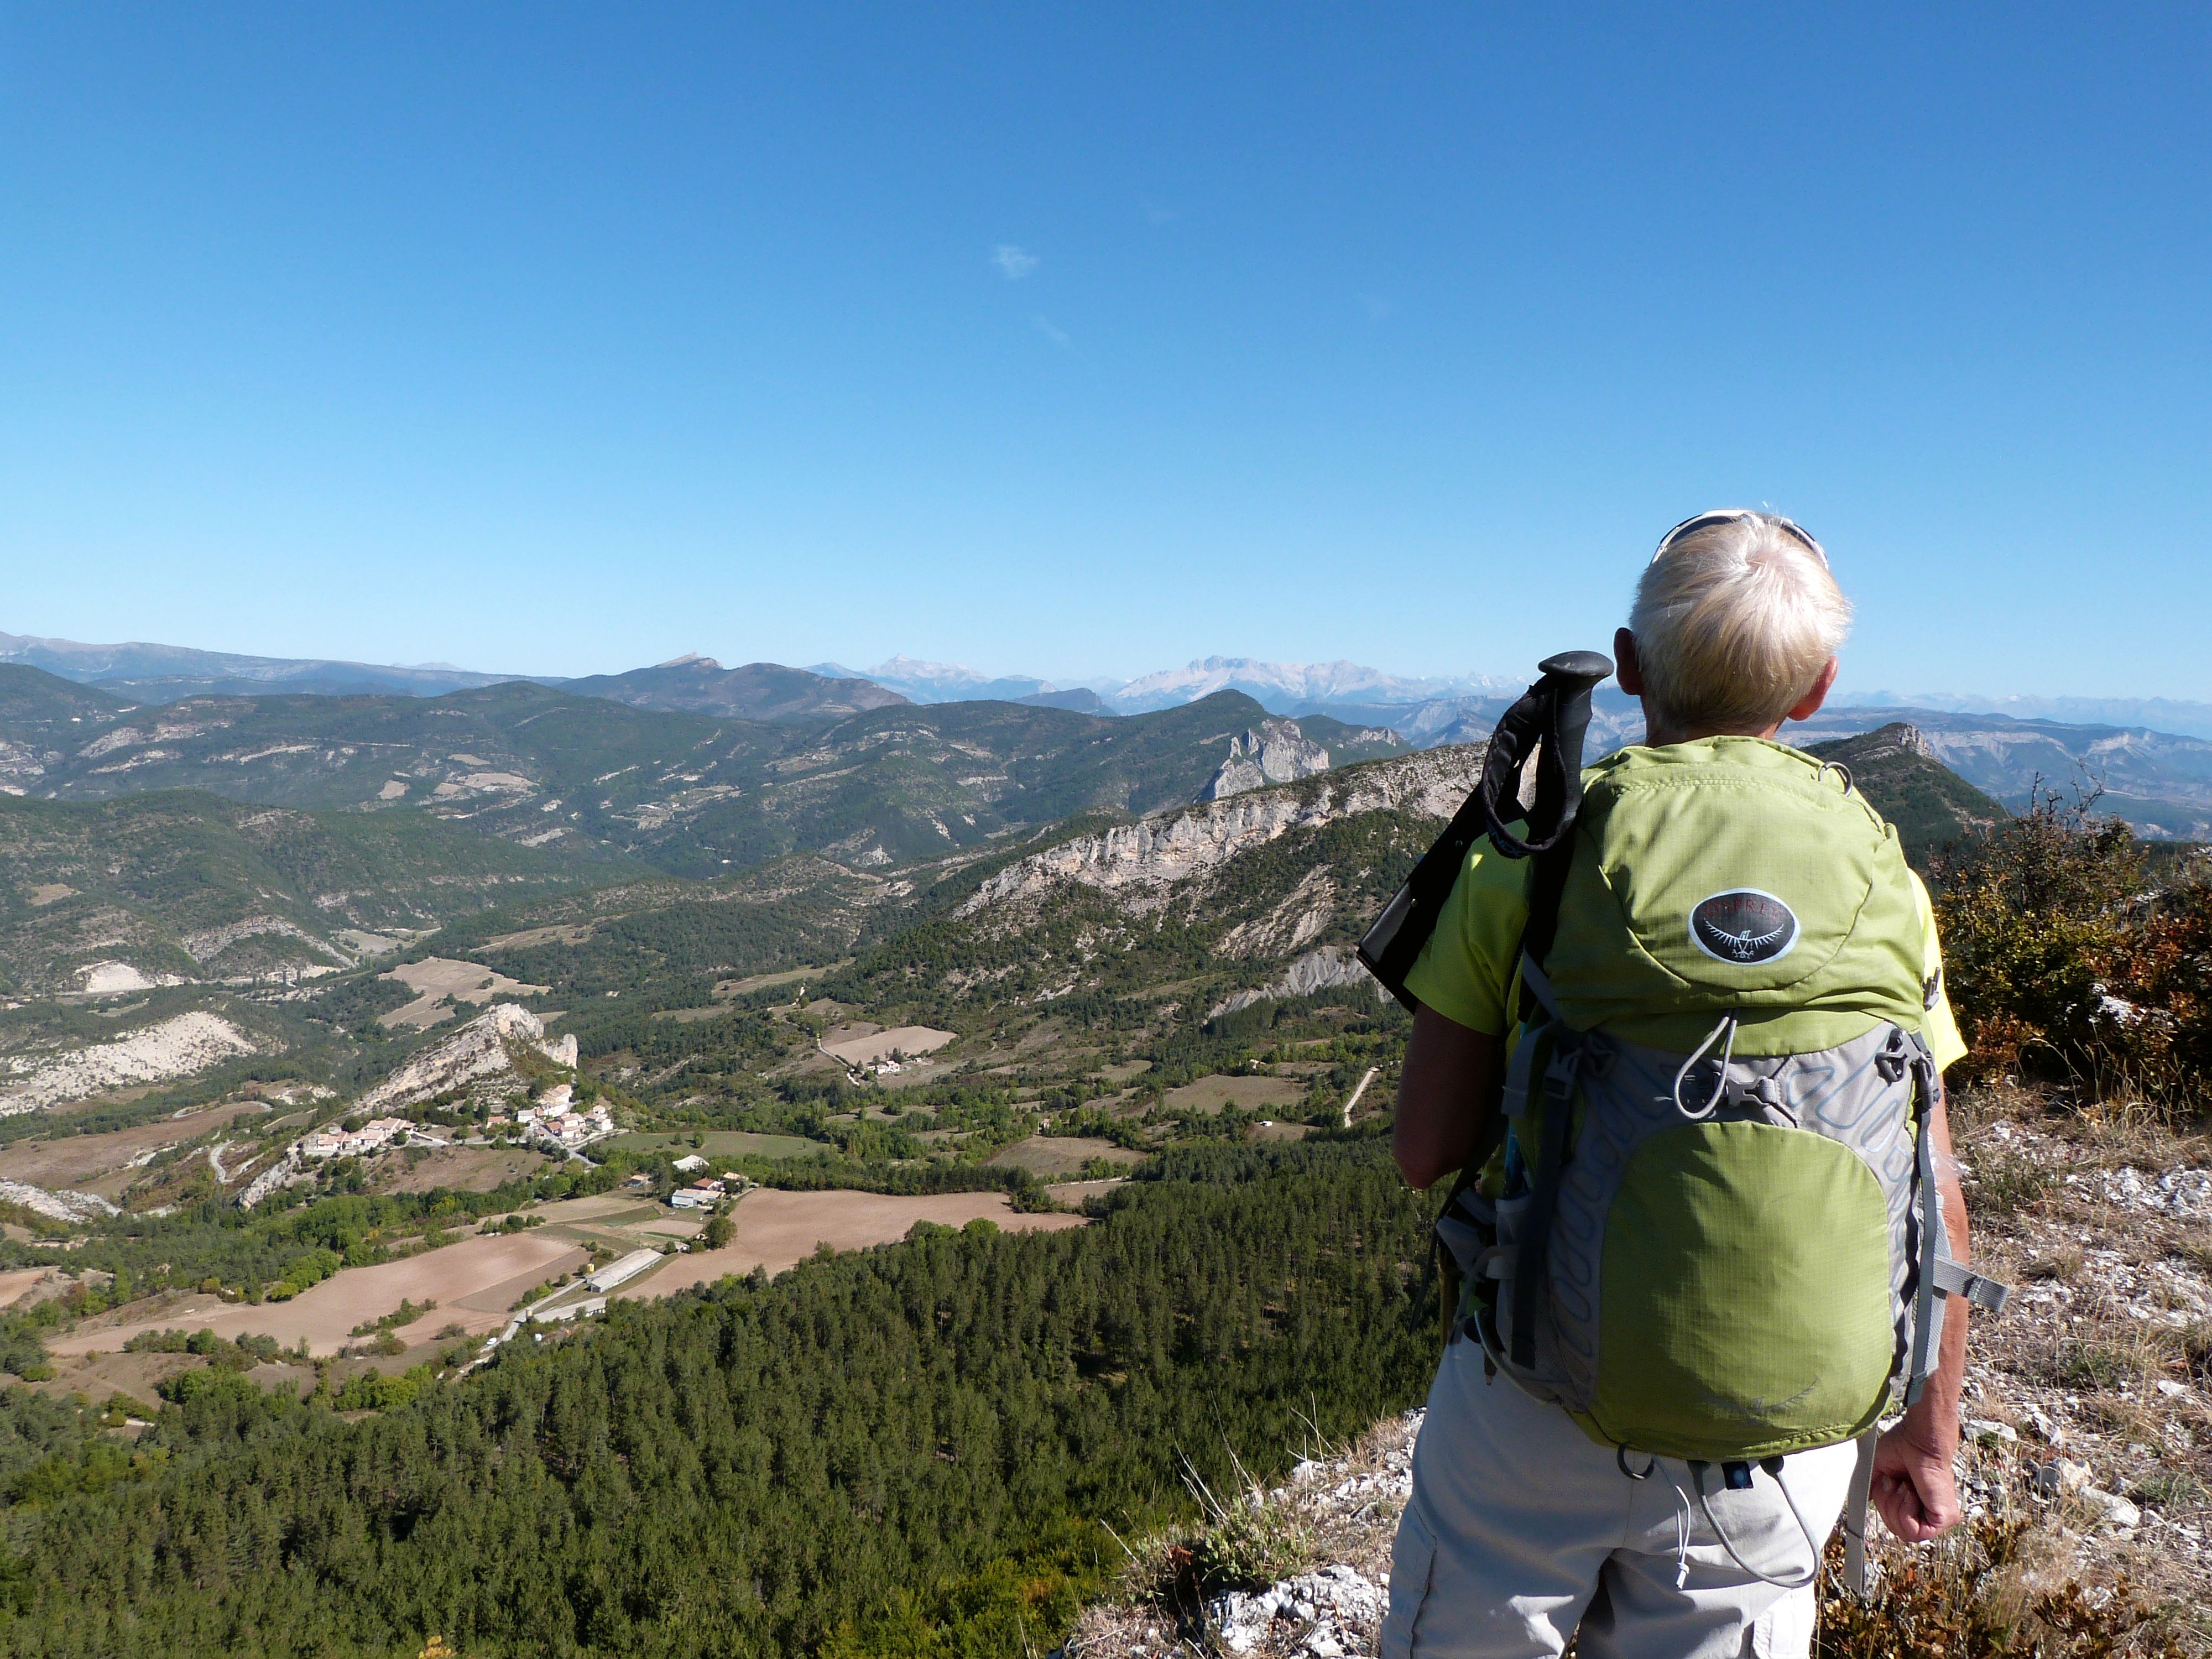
[2087, 1467]
[1327, 1530]
[2089, 1402]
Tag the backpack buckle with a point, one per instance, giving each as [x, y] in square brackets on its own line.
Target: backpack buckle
[1560, 1076]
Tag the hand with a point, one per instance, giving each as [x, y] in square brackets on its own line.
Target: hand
[1913, 1486]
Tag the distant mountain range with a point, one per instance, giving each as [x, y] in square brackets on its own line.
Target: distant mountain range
[942, 681]
[757, 691]
[2152, 756]
[1280, 688]
[167, 673]
[2192, 719]
[1291, 688]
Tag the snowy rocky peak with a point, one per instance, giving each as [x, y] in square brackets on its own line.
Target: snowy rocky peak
[1282, 684]
[940, 682]
[1274, 751]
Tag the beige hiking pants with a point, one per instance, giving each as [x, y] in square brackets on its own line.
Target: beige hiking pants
[1521, 1528]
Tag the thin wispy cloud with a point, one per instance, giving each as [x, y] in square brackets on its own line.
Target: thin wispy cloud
[1012, 262]
[1157, 213]
[1044, 327]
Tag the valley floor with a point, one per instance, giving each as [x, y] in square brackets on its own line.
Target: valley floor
[476, 1283]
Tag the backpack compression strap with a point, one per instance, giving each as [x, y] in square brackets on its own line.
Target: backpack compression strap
[1854, 1516]
[1940, 1276]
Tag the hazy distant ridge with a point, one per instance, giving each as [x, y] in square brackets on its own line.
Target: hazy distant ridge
[165, 673]
[2192, 719]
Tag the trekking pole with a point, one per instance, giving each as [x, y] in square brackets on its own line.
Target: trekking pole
[1547, 725]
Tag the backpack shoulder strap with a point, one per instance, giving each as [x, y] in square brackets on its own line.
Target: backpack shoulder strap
[1547, 884]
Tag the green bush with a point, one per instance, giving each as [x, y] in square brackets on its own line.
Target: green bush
[368, 1391]
[199, 1382]
[2065, 958]
[307, 1270]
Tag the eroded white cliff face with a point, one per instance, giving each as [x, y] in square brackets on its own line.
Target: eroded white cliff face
[174, 1047]
[1139, 864]
[1332, 967]
[479, 1052]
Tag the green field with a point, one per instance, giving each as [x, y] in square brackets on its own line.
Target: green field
[720, 1143]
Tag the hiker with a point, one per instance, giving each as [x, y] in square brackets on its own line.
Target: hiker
[1683, 1315]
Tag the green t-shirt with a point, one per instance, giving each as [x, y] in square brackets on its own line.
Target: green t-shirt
[1466, 971]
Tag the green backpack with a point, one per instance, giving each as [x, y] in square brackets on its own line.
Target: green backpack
[1717, 1237]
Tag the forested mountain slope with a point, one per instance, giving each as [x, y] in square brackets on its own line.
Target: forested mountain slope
[474, 824]
[2159, 783]
[1931, 806]
[1219, 899]
[756, 691]
[692, 793]
[918, 1450]
[185, 883]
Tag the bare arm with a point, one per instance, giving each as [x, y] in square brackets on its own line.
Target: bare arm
[1913, 1485]
[1444, 1096]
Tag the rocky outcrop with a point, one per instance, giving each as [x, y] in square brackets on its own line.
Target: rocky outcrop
[108, 979]
[212, 942]
[1343, 1512]
[1274, 751]
[59, 1207]
[1331, 968]
[282, 1173]
[1294, 920]
[1139, 864]
[482, 1053]
[1897, 738]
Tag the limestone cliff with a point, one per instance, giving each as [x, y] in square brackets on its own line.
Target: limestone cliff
[1273, 752]
[1139, 864]
[481, 1054]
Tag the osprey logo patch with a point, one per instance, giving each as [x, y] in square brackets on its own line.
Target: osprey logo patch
[1744, 926]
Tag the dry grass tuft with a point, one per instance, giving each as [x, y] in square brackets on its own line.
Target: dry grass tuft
[1244, 1541]
[1984, 1592]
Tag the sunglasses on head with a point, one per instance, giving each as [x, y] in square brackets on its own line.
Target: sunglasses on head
[1729, 516]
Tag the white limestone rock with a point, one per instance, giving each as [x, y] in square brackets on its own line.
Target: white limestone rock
[1138, 865]
[481, 1051]
[1274, 751]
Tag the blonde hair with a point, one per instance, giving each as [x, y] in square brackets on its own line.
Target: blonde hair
[1734, 622]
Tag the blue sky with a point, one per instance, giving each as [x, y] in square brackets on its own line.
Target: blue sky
[1088, 340]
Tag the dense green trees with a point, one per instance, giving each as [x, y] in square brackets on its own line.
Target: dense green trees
[913, 1450]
